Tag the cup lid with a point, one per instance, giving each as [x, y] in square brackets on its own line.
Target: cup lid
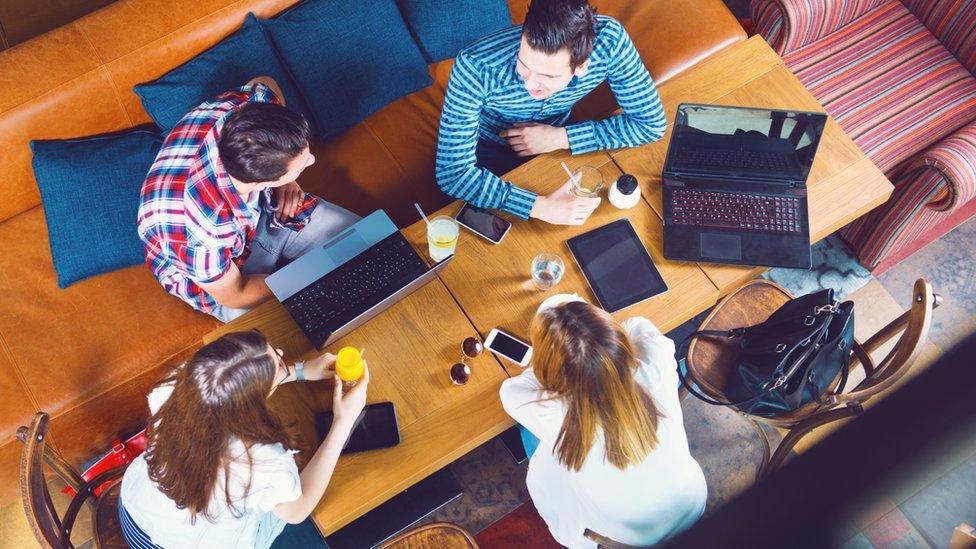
[626, 183]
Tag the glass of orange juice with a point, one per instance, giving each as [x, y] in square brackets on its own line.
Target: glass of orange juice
[442, 237]
[350, 364]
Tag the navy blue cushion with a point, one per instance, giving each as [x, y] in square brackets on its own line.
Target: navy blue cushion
[230, 64]
[350, 58]
[90, 191]
[444, 27]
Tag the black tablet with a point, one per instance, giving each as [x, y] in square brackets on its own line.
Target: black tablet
[616, 265]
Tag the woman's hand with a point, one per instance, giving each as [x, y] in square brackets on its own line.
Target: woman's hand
[320, 367]
[348, 404]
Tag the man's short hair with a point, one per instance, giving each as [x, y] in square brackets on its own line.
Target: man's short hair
[258, 141]
[551, 25]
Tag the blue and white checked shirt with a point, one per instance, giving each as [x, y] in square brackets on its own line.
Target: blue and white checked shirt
[485, 96]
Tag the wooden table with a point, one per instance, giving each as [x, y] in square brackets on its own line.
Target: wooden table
[492, 282]
[411, 346]
[843, 183]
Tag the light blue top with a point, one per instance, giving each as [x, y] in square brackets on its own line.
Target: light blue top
[485, 96]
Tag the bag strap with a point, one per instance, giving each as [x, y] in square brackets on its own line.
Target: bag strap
[734, 333]
[691, 389]
[683, 377]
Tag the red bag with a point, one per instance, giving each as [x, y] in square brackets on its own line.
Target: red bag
[121, 454]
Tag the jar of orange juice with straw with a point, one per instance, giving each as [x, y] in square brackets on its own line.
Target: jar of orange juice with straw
[349, 364]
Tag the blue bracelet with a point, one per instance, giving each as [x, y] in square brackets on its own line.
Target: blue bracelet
[300, 370]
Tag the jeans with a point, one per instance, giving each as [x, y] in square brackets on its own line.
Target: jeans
[529, 442]
[498, 159]
[274, 247]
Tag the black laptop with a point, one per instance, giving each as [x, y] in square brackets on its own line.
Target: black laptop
[735, 185]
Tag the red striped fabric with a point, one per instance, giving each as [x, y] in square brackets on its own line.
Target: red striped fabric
[880, 70]
[953, 22]
[920, 201]
[889, 83]
[790, 24]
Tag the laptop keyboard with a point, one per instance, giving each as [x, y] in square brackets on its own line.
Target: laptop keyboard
[750, 212]
[355, 286]
[733, 159]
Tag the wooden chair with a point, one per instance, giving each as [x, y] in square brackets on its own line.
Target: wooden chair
[51, 531]
[436, 535]
[710, 361]
[603, 542]
[963, 537]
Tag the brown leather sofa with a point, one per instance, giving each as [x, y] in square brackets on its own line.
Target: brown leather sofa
[87, 354]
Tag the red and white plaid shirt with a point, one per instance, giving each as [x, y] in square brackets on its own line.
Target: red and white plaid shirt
[191, 219]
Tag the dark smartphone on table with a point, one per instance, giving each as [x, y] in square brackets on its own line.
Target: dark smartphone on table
[483, 223]
[376, 428]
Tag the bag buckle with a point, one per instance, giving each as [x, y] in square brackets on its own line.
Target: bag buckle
[118, 447]
[832, 308]
[808, 321]
[780, 347]
[777, 383]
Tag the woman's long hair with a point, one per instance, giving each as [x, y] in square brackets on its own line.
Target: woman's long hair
[218, 395]
[584, 359]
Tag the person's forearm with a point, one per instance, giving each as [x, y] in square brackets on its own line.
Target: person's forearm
[251, 290]
[316, 475]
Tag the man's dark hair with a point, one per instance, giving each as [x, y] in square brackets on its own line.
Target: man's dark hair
[258, 141]
[551, 25]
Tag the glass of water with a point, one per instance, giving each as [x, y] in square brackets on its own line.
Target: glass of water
[442, 237]
[547, 270]
[587, 182]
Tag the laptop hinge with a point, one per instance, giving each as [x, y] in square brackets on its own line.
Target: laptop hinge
[793, 183]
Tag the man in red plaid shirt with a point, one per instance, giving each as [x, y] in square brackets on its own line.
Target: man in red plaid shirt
[221, 209]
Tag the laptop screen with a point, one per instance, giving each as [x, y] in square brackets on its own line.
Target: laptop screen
[736, 141]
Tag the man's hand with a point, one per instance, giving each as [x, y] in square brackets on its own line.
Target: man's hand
[530, 139]
[563, 207]
[288, 197]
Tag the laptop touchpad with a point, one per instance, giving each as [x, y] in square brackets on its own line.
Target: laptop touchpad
[721, 246]
[345, 247]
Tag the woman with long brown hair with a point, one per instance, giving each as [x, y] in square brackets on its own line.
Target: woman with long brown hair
[602, 400]
[219, 469]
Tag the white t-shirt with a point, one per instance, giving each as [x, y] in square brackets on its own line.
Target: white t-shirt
[642, 505]
[274, 479]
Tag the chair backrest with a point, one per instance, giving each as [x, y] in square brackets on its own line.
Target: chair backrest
[41, 514]
[436, 535]
[913, 325]
[603, 542]
[51, 530]
[952, 22]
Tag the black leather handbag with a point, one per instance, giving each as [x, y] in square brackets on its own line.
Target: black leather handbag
[789, 360]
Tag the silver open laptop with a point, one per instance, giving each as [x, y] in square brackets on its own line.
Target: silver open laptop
[352, 277]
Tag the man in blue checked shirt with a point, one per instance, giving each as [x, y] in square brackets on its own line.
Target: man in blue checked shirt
[510, 95]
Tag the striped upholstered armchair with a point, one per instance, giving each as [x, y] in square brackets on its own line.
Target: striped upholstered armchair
[898, 76]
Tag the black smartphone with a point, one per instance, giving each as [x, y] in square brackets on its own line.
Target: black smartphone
[483, 223]
[376, 428]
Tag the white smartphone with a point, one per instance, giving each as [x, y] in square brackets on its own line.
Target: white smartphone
[509, 347]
